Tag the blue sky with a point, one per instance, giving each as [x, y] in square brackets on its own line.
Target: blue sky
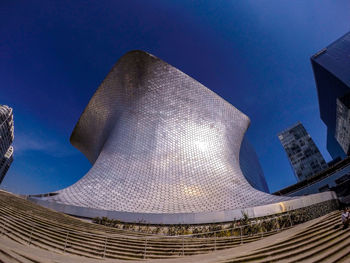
[255, 54]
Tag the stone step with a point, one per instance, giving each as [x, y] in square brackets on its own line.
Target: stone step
[25, 223]
[219, 241]
[333, 254]
[59, 245]
[345, 258]
[277, 249]
[74, 220]
[7, 211]
[319, 249]
[303, 253]
[314, 229]
[286, 246]
[9, 257]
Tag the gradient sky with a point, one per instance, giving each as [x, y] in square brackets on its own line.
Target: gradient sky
[255, 54]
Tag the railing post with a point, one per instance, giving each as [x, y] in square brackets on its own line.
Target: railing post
[279, 227]
[290, 219]
[144, 252]
[240, 228]
[104, 249]
[30, 236]
[65, 242]
[215, 241]
[183, 246]
[3, 227]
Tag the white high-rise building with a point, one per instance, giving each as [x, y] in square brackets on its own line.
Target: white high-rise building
[6, 139]
[303, 154]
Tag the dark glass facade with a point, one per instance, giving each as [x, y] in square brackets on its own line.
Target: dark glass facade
[251, 168]
[331, 68]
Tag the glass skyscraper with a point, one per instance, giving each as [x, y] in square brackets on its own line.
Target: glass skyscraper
[331, 68]
[303, 154]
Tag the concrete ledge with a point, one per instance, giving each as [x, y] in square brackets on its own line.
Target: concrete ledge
[190, 218]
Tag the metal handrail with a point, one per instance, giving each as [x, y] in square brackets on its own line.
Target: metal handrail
[215, 231]
[105, 245]
[260, 221]
[150, 236]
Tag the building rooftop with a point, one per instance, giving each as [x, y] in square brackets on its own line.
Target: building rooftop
[315, 178]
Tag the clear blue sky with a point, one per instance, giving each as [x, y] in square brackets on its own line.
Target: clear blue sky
[255, 54]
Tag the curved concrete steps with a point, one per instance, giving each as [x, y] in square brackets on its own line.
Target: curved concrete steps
[30, 224]
[324, 241]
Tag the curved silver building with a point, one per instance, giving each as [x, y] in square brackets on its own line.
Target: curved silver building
[6, 139]
[250, 167]
[164, 149]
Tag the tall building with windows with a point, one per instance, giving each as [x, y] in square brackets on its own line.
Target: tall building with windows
[331, 67]
[6, 139]
[304, 156]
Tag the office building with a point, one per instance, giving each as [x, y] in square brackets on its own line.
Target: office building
[6, 139]
[303, 154]
[331, 67]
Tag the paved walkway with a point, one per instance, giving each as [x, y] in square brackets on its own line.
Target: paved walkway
[21, 252]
